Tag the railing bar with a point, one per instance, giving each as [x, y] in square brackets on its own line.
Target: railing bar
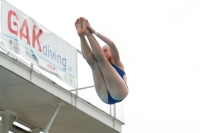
[82, 88]
[79, 51]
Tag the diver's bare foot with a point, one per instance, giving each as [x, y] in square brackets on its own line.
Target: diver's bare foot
[85, 29]
[79, 26]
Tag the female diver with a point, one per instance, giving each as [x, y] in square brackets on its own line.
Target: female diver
[107, 69]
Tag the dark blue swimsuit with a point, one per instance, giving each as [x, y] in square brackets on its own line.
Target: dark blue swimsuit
[121, 73]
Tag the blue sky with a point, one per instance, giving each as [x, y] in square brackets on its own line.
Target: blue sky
[159, 46]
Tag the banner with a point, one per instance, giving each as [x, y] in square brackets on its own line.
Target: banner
[26, 37]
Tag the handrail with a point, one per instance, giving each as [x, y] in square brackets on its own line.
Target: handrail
[82, 88]
[79, 51]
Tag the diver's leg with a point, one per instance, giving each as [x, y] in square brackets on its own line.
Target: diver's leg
[96, 49]
[114, 83]
[99, 82]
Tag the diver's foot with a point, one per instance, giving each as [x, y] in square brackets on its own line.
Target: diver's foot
[85, 29]
[79, 26]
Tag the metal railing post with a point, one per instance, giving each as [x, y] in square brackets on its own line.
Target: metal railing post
[31, 72]
[114, 117]
[77, 80]
[110, 110]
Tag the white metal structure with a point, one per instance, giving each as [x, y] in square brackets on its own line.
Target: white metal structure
[35, 101]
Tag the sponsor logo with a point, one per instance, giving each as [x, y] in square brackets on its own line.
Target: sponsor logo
[52, 67]
[14, 46]
[31, 55]
[67, 79]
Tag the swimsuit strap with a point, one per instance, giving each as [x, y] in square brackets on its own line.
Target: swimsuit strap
[119, 70]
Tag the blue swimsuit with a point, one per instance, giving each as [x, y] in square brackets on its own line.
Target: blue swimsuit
[121, 73]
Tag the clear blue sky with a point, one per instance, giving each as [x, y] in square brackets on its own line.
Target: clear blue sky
[159, 45]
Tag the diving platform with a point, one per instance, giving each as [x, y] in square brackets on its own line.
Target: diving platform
[37, 102]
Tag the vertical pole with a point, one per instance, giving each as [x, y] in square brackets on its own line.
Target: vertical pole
[5, 125]
[8, 117]
[52, 118]
[114, 116]
[31, 73]
[36, 130]
[114, 110]
[77, 78]
[6, 122]
[110, 109]
[0, 126]
[76, 96]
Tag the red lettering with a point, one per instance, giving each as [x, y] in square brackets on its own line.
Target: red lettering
[24, 25]
[51, 67]
[10, 13]
[24, 28]
[36, 38]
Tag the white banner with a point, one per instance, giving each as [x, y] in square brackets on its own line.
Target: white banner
[26, 37]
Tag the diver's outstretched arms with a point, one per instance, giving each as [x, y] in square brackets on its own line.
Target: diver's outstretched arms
[110, 43]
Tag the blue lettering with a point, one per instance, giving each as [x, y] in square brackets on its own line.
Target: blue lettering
[53, 55]
[64, 63]
[45, 49]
